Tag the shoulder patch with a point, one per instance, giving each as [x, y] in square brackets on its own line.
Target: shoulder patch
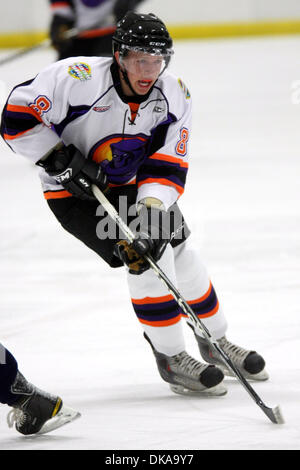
[80, 71]
[184, 89]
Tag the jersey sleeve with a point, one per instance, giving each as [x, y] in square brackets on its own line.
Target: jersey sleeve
[62, 8]
[163, 174]
[32, 109]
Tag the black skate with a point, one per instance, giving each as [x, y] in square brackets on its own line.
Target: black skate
[249, 363]
[187, 376]
[37, 412]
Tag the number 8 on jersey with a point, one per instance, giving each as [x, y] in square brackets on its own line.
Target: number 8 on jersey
[181, 146]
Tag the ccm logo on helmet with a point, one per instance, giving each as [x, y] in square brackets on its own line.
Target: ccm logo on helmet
[157, 43]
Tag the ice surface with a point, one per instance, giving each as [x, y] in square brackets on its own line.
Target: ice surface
[68, 319]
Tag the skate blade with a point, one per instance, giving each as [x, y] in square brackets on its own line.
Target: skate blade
[66, 415]
[217, 391]
[260, 377]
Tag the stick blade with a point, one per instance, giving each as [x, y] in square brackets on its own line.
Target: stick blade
[274, 414]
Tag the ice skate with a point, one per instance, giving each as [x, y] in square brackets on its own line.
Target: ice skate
[37, 412]
[187, 376]
[250, 363]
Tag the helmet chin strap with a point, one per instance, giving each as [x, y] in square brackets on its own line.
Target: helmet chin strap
[126, 79]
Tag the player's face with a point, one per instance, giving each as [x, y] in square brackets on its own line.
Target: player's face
[142, 70]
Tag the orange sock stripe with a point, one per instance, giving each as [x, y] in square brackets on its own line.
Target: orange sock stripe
[172, 321]
[200, 299]
[208, 314]
[152, 300]
[207, 305]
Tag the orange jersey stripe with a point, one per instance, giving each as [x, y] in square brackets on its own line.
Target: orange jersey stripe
[20, 109]
[96, 33]
[168, 158]
[112, 185]
[59, 5]
[23, 109]
[162, 181]
[12, 137]
[57, 194]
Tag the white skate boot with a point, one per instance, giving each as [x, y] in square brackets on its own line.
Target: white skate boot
[187, 376]
[250, 363]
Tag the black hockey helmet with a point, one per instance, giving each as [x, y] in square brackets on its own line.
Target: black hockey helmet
[141, 32]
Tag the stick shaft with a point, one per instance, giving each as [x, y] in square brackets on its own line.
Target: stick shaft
[70, 34]
[274, 415]
[43, 44]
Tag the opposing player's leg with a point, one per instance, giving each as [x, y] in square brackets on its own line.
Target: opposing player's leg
[160, 317]
[33, 410]
[196, 287]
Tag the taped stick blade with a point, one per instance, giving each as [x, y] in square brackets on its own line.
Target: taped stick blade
[274, 414]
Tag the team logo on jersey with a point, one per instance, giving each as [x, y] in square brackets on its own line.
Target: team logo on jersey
[101, 109]
[120, 155]
[80, 71]
[184, 88]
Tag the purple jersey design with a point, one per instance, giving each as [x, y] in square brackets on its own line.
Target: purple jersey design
[93, 3]
[127, 156]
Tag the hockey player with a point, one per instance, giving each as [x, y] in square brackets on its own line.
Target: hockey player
[123, 124]
[96, 17]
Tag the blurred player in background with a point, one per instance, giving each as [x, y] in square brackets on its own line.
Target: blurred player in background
[97, 18]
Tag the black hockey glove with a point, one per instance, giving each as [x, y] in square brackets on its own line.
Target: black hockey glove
[74, 172]
[152, 239]
[58, 27]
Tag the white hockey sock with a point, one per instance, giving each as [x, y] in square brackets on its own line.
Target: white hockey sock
[195, 286]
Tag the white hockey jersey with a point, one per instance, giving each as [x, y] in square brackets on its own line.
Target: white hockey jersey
[79, 101]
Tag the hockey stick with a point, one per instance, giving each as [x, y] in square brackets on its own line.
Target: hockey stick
[70, 34]
[274, 414]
